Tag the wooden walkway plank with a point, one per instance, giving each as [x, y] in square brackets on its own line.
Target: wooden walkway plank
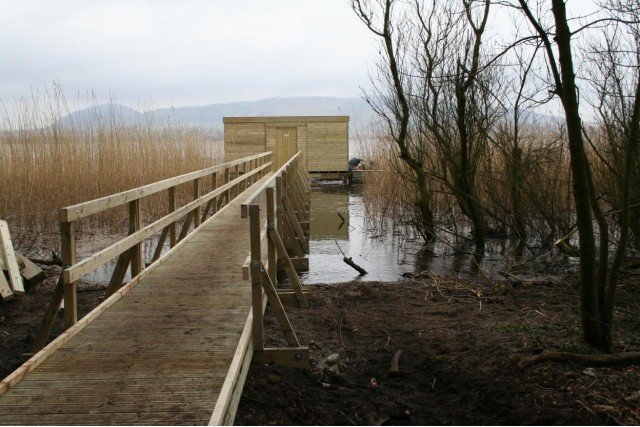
[159, 350]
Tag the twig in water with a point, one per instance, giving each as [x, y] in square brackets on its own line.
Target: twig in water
[349, 261]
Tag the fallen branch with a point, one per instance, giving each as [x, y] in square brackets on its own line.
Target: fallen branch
[349, 261]
[617, 359]
[395, 369]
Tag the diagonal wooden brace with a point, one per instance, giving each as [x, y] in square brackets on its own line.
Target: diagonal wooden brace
[289, 268]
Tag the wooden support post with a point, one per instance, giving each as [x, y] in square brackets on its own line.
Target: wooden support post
[197, 210]
[185, 226]
[300, 198]
[256, 277]
[287, 235]
[294, 221]
[49, 316]
[292, 196]
[173, 231]
[214, 186]
[291, 272]
[278, 309]
[135, 224]
[236, 188]
[160, 244]
[292, 243]
[279, 209]
[212, 205]
[271, 248]
[119, 272]
[68, 255]
[227, 179]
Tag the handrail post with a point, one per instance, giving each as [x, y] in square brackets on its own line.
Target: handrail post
[135, 224]
[68, 255]
[279, 210]
[271, 224]
[173, 233]
[214, 185]
[227, 179]
[256, 277]
[255, 163]
[236, 187]
[286, 235]
[197, 211]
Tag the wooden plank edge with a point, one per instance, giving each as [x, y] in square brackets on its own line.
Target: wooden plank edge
[224, 412]
[14, 378]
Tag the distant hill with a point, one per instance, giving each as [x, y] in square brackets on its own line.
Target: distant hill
[103, 113]
[211, 115]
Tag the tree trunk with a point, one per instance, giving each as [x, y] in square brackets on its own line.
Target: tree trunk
[590, 310]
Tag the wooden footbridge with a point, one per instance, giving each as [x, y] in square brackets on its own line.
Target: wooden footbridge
[173, 345]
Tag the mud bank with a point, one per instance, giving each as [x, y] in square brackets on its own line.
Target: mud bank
[460, 342]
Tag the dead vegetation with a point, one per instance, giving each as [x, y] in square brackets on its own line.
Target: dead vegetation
[46, 164]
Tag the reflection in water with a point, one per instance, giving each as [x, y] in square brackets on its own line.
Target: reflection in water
[387, 254]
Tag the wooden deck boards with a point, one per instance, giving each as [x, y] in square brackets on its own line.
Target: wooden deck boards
[159, 354]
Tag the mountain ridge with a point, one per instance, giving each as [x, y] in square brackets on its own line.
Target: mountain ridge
[211, 115]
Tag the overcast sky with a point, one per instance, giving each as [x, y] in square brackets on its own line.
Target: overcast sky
[185, 52]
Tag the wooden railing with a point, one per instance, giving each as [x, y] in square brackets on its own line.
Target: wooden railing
[287, 196]
[128, 250]
[287, 209]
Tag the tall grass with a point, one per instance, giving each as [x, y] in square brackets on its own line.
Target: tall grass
[46, 164]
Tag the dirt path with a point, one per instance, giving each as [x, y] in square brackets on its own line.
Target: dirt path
[461, 341]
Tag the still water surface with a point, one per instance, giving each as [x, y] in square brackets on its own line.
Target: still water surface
[385, 254]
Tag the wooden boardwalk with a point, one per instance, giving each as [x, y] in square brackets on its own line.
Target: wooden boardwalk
[160, 349]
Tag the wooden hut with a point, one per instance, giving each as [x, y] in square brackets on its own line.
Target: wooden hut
[324, 140]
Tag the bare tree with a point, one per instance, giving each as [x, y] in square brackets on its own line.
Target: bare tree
[598, 283]
[453, 100]
[391, 102]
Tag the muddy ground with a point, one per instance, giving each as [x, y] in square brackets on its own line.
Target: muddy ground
[461, 340]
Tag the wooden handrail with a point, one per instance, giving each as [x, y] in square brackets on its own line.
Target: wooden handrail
[255, 197]
[87, 265]
[84, 209]
[129, 249]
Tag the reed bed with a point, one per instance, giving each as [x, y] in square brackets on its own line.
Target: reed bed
[545, 189]
[46, 163]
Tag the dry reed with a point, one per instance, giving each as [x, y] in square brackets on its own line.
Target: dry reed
[46, 163]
